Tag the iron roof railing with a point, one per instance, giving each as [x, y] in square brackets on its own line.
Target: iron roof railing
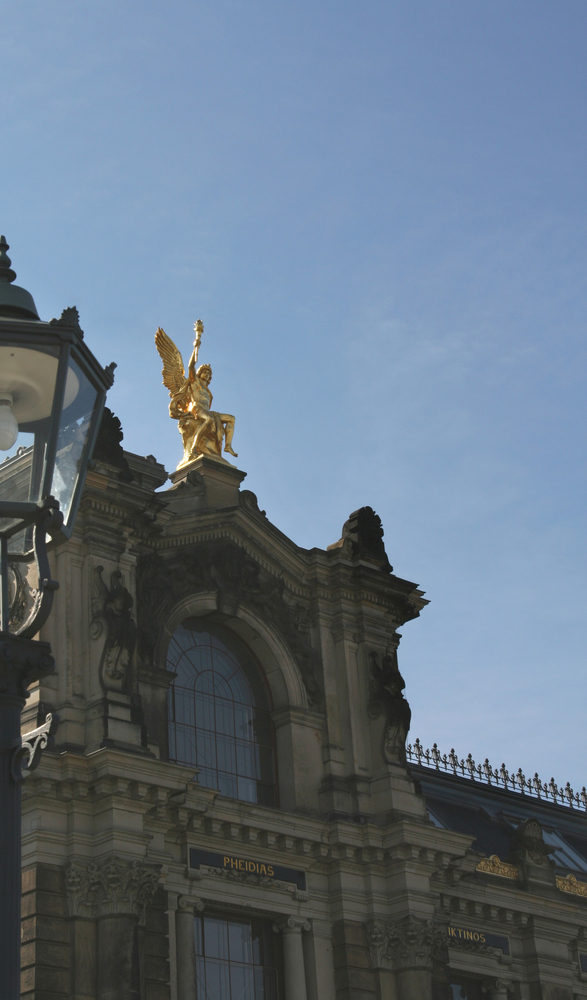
[516, 782]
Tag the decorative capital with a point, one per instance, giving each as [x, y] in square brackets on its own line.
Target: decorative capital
[410, 943]
[497, 988]
[291, 925]
[190, 904]
[110, 886]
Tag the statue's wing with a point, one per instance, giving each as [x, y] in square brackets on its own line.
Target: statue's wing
[173, 371]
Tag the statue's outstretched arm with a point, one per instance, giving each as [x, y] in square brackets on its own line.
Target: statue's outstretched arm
[192, 365]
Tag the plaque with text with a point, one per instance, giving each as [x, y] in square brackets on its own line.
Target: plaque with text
[480, 937]
[248, 866]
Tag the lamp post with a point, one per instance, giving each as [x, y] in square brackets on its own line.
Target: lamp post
[52, 392]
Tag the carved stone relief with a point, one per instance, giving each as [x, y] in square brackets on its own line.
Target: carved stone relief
[111, 614]
[410, 943]
[97, 889]
[225, 568]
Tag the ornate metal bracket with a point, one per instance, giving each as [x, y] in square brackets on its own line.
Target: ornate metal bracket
[32, 746]
[47, 519]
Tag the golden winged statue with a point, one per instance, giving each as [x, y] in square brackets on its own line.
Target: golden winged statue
[202, 430]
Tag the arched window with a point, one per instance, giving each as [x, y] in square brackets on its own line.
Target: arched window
[219, 713]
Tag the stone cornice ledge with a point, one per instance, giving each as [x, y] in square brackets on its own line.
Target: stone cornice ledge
[113, 772]
[427, 835]
[300, 716]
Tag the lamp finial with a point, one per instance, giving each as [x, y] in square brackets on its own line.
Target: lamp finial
[6, 273]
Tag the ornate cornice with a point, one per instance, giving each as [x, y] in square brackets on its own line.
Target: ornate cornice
[493, 866]
[110, 886]
[568, 883]
[405, 944]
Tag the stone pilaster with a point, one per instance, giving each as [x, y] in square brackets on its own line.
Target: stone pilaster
[187, 908]
[114, 893]
[408, 948]
[293, 957]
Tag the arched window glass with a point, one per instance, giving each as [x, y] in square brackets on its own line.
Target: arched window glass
[219, 713]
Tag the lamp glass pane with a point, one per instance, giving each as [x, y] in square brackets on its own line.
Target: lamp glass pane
[28, 374]
[74, 427]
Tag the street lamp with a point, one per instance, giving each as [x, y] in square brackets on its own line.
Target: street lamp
[52, 392]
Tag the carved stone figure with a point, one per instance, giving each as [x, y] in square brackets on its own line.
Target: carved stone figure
[365, 530]
[111, 612]
[108, 447]
[386, 689]
[202, 430]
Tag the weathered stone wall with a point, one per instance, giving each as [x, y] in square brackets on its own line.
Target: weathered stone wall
[45, 950]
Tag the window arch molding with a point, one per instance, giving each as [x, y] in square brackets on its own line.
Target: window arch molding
[271, 651]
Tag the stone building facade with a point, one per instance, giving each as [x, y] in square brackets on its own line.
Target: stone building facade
[229, 810]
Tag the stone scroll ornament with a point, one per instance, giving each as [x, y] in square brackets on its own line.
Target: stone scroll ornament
[111, 614]
[386, 695]
[203, 431]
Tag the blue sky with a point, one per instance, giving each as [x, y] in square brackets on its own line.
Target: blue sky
[378, 210]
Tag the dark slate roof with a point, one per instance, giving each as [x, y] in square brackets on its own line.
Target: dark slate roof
[491, 814]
